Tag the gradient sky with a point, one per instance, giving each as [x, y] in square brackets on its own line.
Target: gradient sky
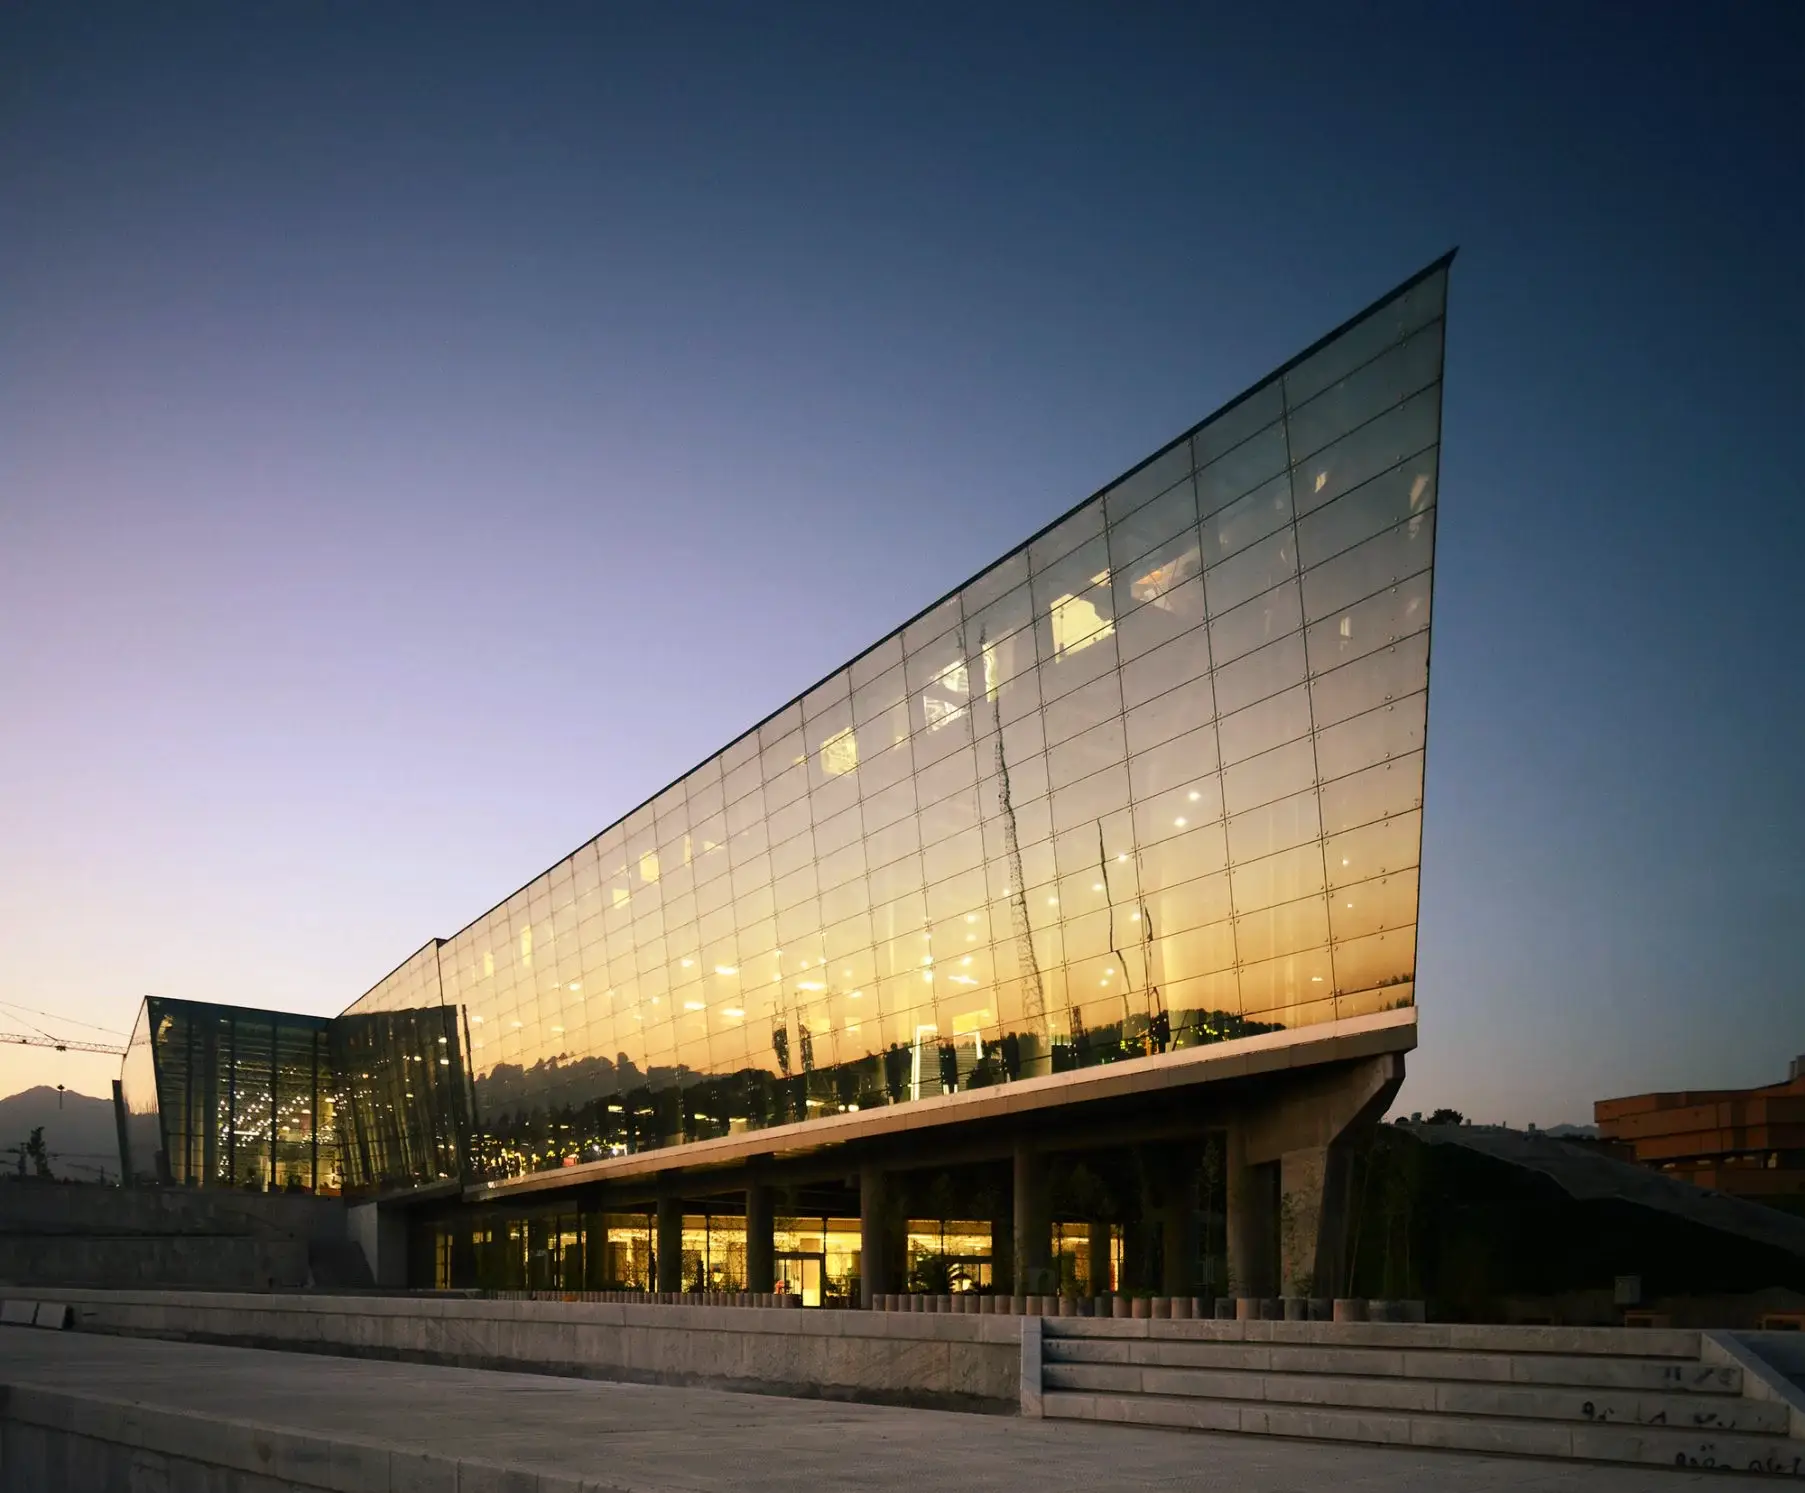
[425, 431]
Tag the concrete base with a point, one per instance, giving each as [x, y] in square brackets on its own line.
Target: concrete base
[83, 1413]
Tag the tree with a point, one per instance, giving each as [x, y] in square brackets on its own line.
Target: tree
[1446, 1117]
[39, 1154]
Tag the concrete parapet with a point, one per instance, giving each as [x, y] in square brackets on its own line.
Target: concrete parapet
[949, 1359]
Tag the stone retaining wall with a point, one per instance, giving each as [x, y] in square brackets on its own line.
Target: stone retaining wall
[951, 1362]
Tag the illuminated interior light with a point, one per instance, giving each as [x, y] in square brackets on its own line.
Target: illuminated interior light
[1096, 886]
[692, 1005]
[1180, 821]
[574, 985]
[1052, 902]
[1195, 795]
[732, 1013]
[724, 969]
[1322, 479]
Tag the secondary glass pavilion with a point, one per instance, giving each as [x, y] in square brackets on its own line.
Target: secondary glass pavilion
[1151, 781]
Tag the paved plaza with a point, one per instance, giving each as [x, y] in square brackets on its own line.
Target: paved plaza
[645, 1439]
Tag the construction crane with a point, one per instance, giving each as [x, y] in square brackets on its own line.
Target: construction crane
[59, 1044]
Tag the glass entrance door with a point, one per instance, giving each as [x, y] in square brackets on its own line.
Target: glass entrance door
[801, 1275]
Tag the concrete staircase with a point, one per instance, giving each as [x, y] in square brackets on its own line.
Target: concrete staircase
[1594, 1394]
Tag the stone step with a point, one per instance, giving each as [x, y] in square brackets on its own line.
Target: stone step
[1596, 1407]
[1654, 1375]
[1567, 1342]
[1646, 1445]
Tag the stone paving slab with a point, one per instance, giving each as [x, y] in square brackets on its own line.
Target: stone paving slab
[565, 1432]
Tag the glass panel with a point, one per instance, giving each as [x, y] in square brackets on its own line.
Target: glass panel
[1002, 578]
[1153, 524]
[1381, 384]
[1379, 735]
[1263, 672]
[1174, 764]
[1170, 614]
[1169, 715]
[1263, 620]
[1241, 470]
[1184, 857]
[1086, 525]
[1270, 775]
[1370, 567]
[1389, 674]
[1375, 850]
[1394, 787]
[1373, 906]
[1263, 511]
[1089, 751]
[1083, 708]
[1157, 574]
[1286, 929]
[1179, 662]
[1191, 904]
[1266, 725]
[1272, 828]
[1388, 499]
[1256, 569]
[1198, 951]
[1235, 424]
[1394, 613]
[1156, 477]
[1292, 990]
[1380, 960]
[1367, 339]
[1373, 448]
[1278, 878]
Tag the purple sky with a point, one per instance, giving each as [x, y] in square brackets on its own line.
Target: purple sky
[424, 432]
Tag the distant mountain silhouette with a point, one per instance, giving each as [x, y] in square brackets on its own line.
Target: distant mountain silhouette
[80, 1135]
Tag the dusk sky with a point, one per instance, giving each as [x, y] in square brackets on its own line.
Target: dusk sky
[425, 431]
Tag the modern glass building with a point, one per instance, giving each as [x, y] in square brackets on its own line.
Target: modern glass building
[1141, 799]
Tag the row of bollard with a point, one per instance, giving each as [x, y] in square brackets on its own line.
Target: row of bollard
[1179, 1308]
[661, 1298]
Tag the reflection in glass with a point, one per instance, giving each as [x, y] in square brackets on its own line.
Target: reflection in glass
[1153, 780]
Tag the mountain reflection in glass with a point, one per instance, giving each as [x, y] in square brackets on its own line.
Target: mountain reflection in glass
[1150, 781]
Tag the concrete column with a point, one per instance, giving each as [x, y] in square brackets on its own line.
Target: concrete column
[1252, 1227]
[876, 1268]
[670, 1244]
[1181, 1236]
[1033, 1223]
[761, 1250]
[1313, 1218]
[1002, 1252]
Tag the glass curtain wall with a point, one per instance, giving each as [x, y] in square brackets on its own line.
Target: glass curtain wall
[224, 1096]
[1153, 780]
